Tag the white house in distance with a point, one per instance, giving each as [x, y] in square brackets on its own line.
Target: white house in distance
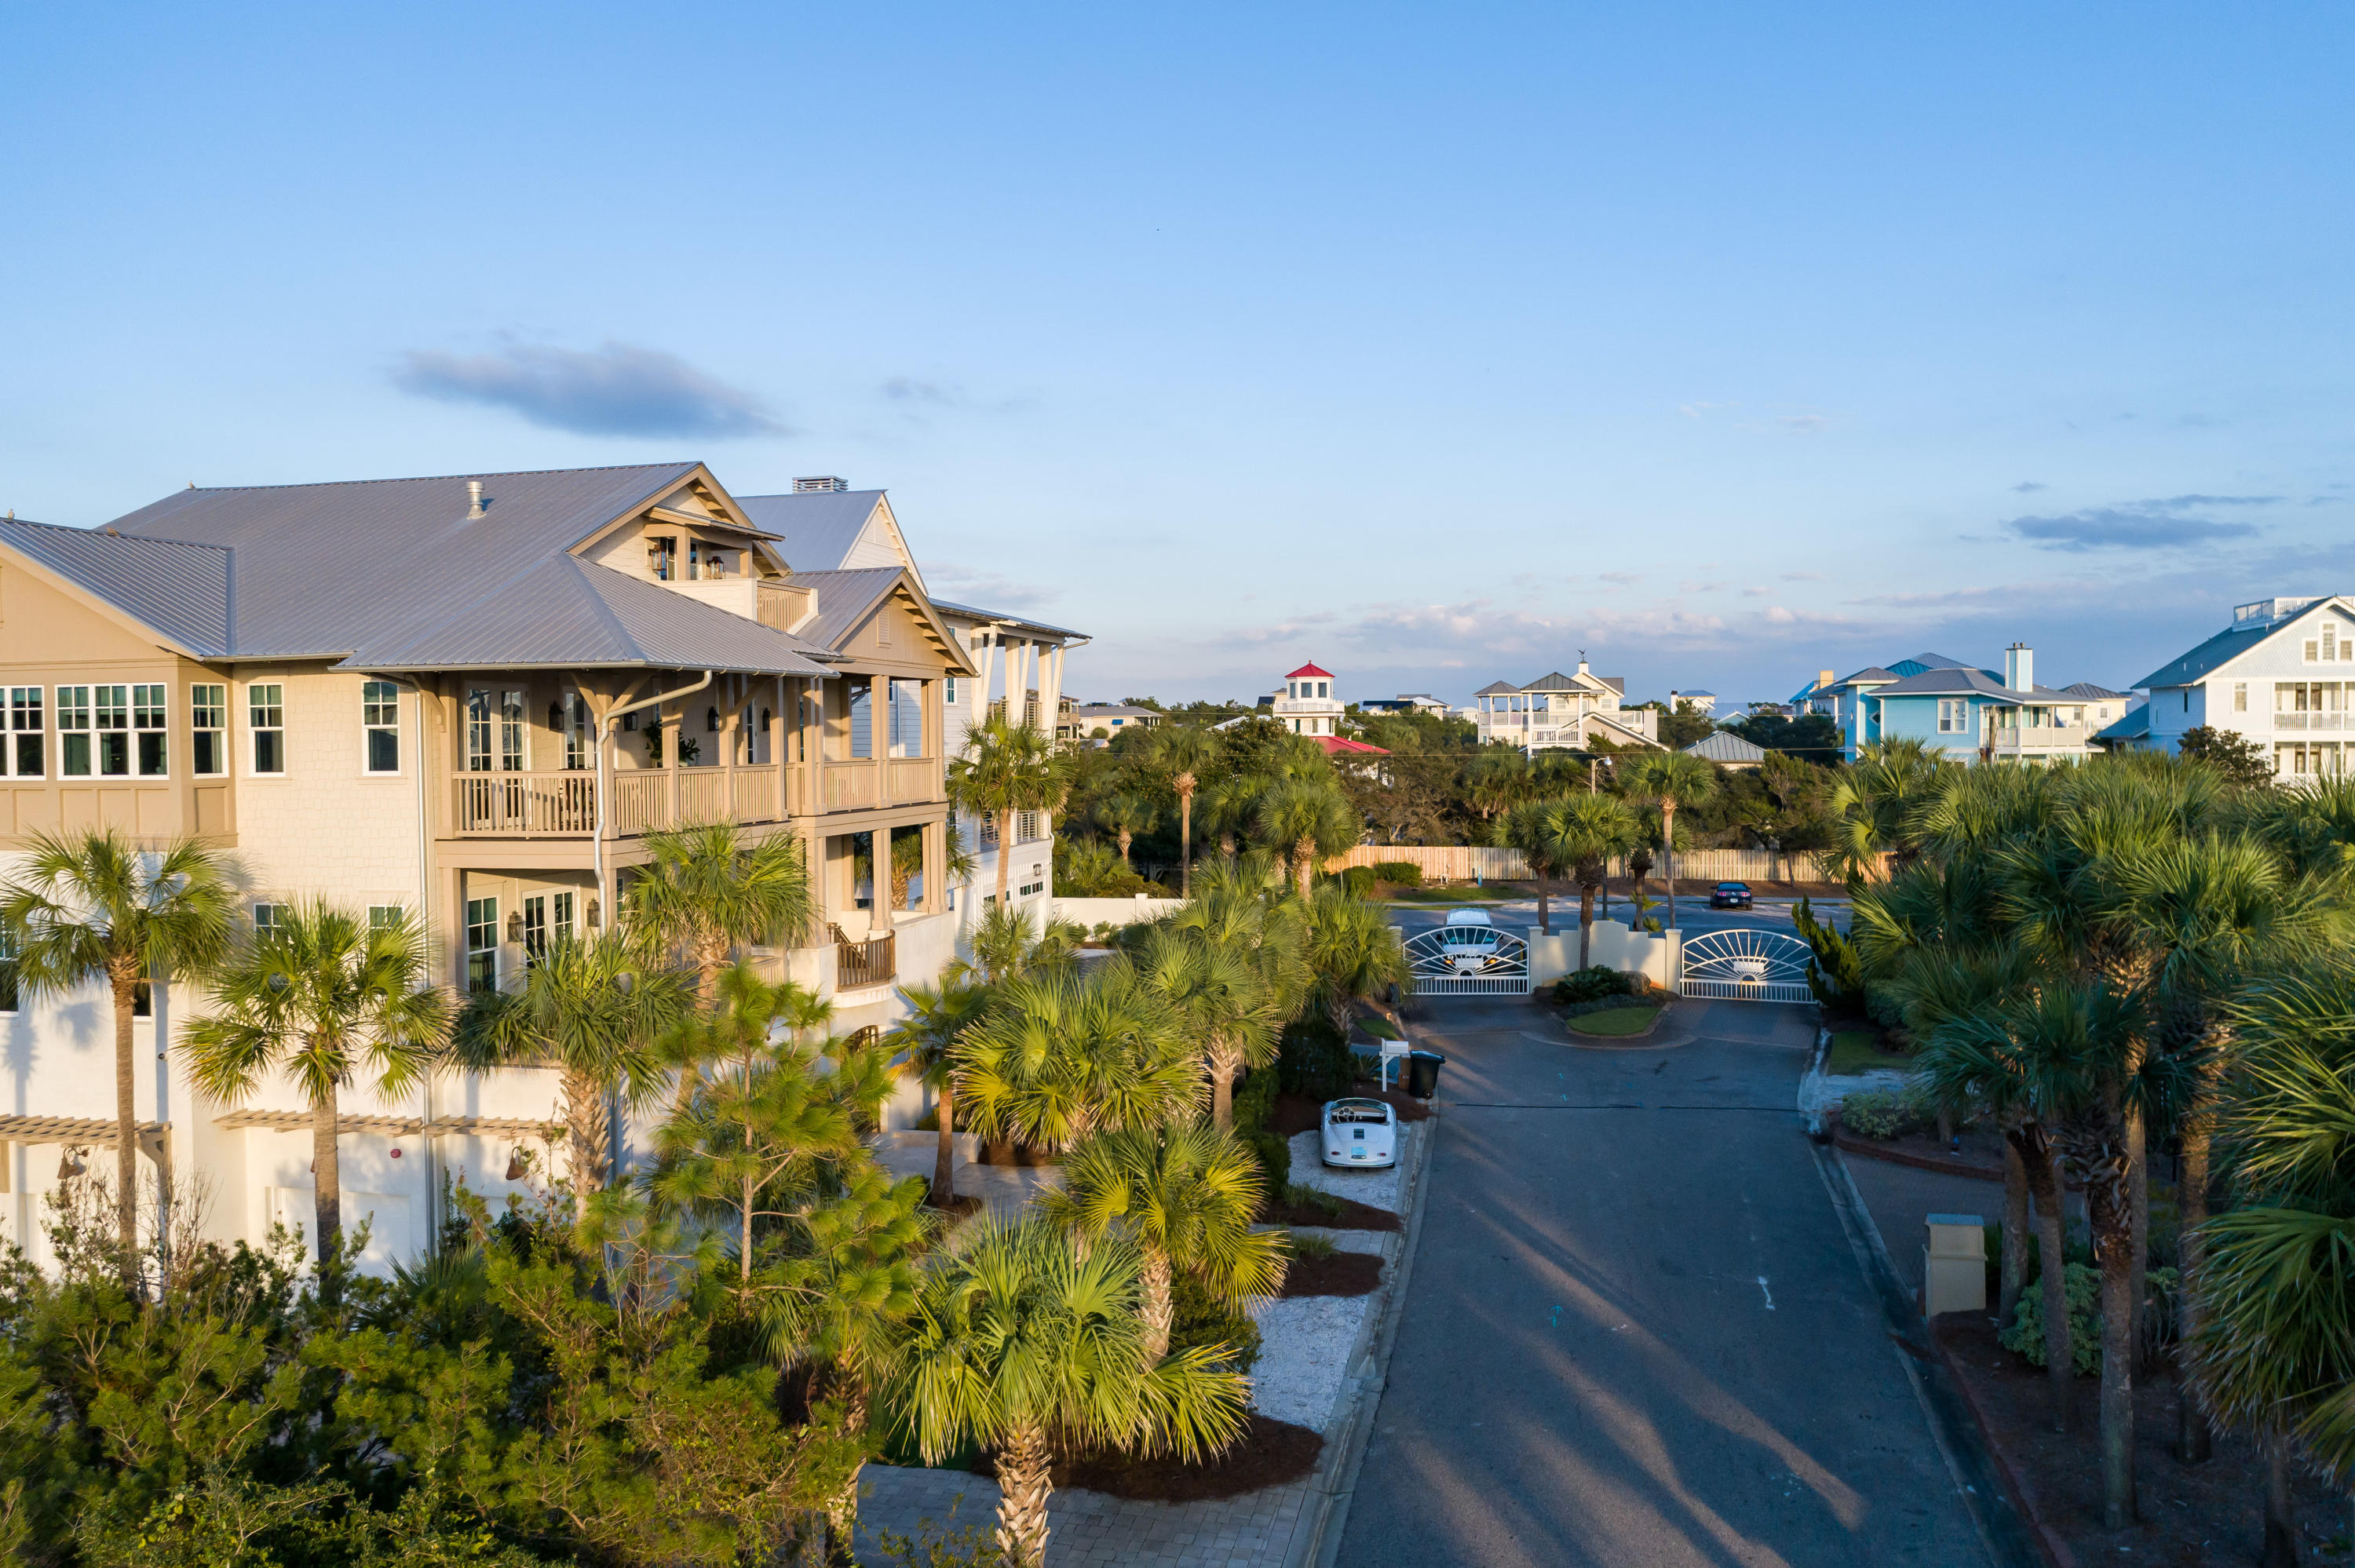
[1563, 713]
[1405, 702]
[1307, 705]
[1081, 721]
[2281, 674]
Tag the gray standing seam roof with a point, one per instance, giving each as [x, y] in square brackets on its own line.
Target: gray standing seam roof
[2226, 645]
[2090, 691]
[817, 527]
[1025, 622]
[2133, 726]
[182, 590]
[843, 600]
[1721, 746]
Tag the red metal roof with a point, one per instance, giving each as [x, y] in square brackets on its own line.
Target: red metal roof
[1334, 742]
[1309, 669]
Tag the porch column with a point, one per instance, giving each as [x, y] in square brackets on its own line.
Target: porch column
[878, 741]
[935, 866]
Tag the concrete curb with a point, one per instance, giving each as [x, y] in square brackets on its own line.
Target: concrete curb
[1316, 1537]
[2005, 1529]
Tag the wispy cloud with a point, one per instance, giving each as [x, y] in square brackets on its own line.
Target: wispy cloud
[985, 590]
[620, 390]
[1803, 423]
[2030, 487]
[914, 393]
[1803, 577]
[1624, 580]
[1695, 410]
[1701, 588]
[2166, 524]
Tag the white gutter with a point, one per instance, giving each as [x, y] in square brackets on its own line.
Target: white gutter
[603, 732]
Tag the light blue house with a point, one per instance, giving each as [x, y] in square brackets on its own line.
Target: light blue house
[1971, 715]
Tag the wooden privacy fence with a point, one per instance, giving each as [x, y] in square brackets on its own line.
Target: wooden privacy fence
[1467, 862]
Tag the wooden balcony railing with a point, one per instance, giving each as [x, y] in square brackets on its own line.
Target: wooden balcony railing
[525, 803]
[871, 962]
[640, 799]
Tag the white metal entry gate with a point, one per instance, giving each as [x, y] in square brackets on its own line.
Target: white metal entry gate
[1747, 965]
[1469, 960]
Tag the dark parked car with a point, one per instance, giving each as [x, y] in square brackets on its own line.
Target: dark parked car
[1730, 895]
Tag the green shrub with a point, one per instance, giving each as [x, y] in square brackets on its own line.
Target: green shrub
[1307, 1244]
[1298, 1197]
[1315, 1058]
[1274, 1156]
[2026, 1334]
[1596, 983]
[1835, 970]
[1255, 1100]
[1357, 881]
[1398, 873]
[1203, 1319]
[1877, 1113]
[1615, 1003]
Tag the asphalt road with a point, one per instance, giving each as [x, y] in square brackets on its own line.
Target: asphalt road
[1635, 1332]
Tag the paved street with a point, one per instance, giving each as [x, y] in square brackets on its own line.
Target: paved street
[1694, 915]
[1636, 1333]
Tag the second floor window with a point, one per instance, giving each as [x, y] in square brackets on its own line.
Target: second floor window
[268, 917]
[386, 916]
[380, 718]
[1954, 715]
[266, 715]
[24, 744]
[112, 711]
[571, 721]
[510, 726]
[662, 557]
[208, 721]
[147, 728]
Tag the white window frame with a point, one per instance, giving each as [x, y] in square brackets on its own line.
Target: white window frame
[26, 718]
[384, 917]
[155, 703]
[110, 707]
[73, 722]
[268, 916]
[1954, 715]
[217, 710]
[471, 952]
[379, 714]
[255, 729]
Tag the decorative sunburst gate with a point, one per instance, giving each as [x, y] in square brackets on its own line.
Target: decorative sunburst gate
[1747, 965]
[1469, 960]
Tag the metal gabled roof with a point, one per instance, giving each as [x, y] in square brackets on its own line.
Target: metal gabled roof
[321, 570]
[2090, 691]
[2225, 646]
[1498, 689]
[816, 528]
[1723, 745]
[572, 613]
[180, 590]
[843, 600]
[2134, 726]
[1022, 622]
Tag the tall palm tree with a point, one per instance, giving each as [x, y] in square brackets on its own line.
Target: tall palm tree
[1183, 753]
[1229, 804]
[319, 995]
[1355, 955]
[1006, 768]
[1305, 821]
[927, 1037]
[1673, 778]
[588, 1009]
[1221, 996]
[1125, 815]
[1528, 828]
[1060, 1054]
[706, 891]
[1025, 1345]
[95, 906]
[1587, 830]
[1496, 779]
[1187, 1195]
[1877, 799]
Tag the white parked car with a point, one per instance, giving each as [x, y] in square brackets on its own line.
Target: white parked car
[1361, 1134]
[1470, 944]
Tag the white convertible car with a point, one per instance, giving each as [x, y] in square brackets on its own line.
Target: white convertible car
[1361, 1134]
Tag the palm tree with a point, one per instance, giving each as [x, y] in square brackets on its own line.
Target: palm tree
[937, 1015]
[1306, 821]
[1187, 1195]
[1125, 815]
[1878, 799]
[318, 995]
[705, 891]
[584, 1008]
[1496, 779]
[1183, 752]
[94, 907]
[1006, 768]
[1021, 1343]
[1229, 804]
[1525, 828]
[1355, 955]
[1221, 996]
[1673, 778]
[1060, 1054]
[1587, 830]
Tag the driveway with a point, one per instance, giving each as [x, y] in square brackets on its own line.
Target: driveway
[1635, 1331]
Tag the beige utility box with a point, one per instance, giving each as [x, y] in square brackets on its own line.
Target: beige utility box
[1953, 1266]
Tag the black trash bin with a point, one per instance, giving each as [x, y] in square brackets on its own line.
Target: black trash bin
[1423, 1073]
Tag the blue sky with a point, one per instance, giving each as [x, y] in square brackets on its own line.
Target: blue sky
[1432, 343]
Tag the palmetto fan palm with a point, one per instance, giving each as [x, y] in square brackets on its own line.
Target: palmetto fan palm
[94, 907]
[1587, 830]
[1221, 997]
[1187, 1195]
[1006, 768]
[1305, 821]
[927, 1037]
[1022, 1343]
[706, 890]
[1496, 779]
[1183, 753]
[1060, 1054]
[586, 1008]
[1125, 815]
[319, 996]
[1354, 954]
[1673, 778]
[1875, 806]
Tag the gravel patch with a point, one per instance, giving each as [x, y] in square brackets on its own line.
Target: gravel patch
[1375, 1189]
[1304, 1344]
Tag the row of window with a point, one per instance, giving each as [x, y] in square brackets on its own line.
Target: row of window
[543, 916]
[124, 731]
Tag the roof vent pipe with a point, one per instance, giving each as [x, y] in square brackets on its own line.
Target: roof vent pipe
[474, 499]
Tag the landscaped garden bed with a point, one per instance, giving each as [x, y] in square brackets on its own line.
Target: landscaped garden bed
[1268, 1454]
[2192, 1514]
[1320, 1269]
[1307, 1206]
[1297, 1114]
[1617, 1020]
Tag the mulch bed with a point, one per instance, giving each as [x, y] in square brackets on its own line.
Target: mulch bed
[963, 1203]
[1981, 1155]
[1343, 1273]
[1020, 1155]
[1267, 1454]
[1354, 1217]
[1295, 1114]
[2192, 1514]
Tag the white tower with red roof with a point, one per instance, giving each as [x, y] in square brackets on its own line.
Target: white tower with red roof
[1308, 705]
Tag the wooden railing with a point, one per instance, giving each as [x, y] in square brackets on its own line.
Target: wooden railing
[513, 803]
[914, 779]
[640, 799]
[871, 962]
